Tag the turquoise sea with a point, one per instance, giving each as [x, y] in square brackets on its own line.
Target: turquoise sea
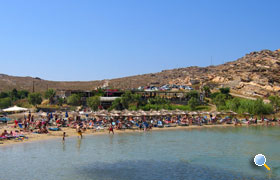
[202, 154]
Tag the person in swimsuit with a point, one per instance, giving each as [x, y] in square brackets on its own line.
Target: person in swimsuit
[79, 131]
[111, 129]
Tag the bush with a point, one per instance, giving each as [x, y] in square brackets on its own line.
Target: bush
[225, 90]
[253, 107]
[22, 94]
[275, 102]
[207, 91]
[23, 103]
[157, 100]
[60, 101]
[50, 94]
[4, 95]
[193, 102]
[116, 104]
[5, 102]
[35, 98]
[220, 100]
[93, 102]
[74, 100]
[213, 95]
[193, 94]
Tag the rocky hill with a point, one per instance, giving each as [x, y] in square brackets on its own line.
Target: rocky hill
[255, 74]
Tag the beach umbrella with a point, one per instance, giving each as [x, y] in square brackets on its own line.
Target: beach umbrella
[115, 115]
[15, 109]
[217, 113]
[144, 113]
[74, 113]
[231, 112]
[127, 114]
[43, 114]
[115, 111]
[193, 113]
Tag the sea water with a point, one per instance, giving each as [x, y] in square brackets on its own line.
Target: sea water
[202, 154]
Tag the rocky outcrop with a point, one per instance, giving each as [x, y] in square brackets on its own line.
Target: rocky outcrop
[255, 74]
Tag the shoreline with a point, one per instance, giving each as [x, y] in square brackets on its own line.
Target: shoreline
[70, 132]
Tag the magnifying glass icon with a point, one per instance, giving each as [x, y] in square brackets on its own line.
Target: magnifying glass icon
[260, 161]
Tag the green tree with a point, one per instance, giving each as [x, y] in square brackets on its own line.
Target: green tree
[4, 95]
[74, 100]
[254, 107]
[225, 90]
[126, 99]
[5, 102]
[50, 94]
[60, 101]
[100, 92]
[93, 102]
[193, 102]
[233, 104]
[275, 102]
[213, 95]
[193, 93]
[220, 100]
[14, 94]
[116, 104]
[22, 94]
[157, 100]
[138, 100]
[207, 91]
[35, 98]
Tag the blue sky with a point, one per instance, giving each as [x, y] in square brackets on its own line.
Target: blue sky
[93, 40]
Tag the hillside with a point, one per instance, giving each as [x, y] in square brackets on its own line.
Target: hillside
[255, 74]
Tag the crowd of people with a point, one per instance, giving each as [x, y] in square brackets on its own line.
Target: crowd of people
[54, 122]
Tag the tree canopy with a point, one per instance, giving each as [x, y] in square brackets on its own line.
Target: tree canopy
[35, 98]
[50, 94]
[74, 100]
[93, 102]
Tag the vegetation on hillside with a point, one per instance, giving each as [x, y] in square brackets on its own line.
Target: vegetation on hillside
[224, 101]
[133, 101]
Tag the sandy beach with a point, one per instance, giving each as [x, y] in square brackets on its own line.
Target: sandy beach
[70, 132]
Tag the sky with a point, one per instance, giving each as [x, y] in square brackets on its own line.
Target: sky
[86, 40]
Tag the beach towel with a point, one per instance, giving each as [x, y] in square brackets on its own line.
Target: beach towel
[54, 129]
[20, 125]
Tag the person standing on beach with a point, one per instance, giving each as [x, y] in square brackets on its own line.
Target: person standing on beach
[79, 131]
[64, 135]
[111, 129]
